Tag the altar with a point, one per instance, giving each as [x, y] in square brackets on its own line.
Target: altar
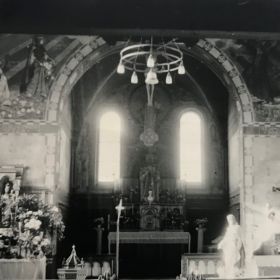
[268, 265]
[11, 269]
[151, 237]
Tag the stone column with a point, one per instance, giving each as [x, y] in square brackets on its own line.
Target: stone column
[200, 236]
[99, 232]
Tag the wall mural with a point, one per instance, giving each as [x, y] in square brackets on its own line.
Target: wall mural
[28, 65]
[258, 61]
[28, 101]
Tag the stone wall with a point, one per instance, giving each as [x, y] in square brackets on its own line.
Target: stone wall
[235, 156]
[43, 148]
[262, 163]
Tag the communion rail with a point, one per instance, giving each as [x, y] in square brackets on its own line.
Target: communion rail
[200, 263]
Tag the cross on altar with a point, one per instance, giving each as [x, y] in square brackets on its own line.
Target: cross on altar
[119, 209]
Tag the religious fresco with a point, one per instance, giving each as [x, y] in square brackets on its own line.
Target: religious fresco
[266, 112]
[30, 63]
[28, 66]
[259, 64]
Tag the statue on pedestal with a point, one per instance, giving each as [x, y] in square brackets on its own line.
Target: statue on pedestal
[7, 203]
[149, 179]
[150, 197]
[233, 250]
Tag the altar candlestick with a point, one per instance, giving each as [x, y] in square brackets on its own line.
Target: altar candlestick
[19, 228]
[108, 222]
[119, 209]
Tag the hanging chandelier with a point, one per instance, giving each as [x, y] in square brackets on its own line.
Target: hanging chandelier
[152, 60]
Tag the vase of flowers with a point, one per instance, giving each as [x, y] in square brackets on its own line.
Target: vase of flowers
[201, 222]
[32, 229]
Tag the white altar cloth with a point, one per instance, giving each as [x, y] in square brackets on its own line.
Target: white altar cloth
[12, 269]
[151, 237]
[268, 265]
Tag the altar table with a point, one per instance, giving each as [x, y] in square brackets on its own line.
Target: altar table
[151, 237]
[11, 269]
[268, 265]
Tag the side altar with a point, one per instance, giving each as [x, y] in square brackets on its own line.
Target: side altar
[29, 228]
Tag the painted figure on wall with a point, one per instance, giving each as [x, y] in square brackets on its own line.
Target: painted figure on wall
[38, 71]
[233, 250]
[4, 89]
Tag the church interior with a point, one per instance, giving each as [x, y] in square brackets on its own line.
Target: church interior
[139, 154]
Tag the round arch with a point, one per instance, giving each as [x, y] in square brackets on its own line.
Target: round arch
[233, 81]
[89, 54]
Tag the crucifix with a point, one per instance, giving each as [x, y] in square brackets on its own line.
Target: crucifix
[119, 209]
[149, 136]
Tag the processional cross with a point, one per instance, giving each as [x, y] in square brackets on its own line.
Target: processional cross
[119, 209]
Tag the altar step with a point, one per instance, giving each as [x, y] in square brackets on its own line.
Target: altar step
[160, 278]
[213, 278]
[246, 278]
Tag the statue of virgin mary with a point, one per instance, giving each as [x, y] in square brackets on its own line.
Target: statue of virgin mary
[233, 250]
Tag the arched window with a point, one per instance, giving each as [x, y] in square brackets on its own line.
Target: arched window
[191, 147]
[109, 147]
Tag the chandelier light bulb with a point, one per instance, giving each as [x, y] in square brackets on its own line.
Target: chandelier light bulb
[134, 78]
[150, 61]
[168, 79]
[151, 78]
[120, 69]
[181, 69]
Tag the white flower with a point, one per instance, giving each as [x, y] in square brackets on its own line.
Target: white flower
[36, 240]
[54, 209]
[40, 212]
[45, 242]
[29, 213]
[23, 216]
[33, 224]
[23, 237]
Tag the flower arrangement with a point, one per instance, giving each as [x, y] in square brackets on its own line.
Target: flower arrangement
[171, 218]
[201, 222]
[171, 196]
[32, 229]
[99, 222]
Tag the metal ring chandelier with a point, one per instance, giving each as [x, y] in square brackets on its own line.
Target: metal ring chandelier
[151, 60]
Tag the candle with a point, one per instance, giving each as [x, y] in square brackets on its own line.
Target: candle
[19, 228]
